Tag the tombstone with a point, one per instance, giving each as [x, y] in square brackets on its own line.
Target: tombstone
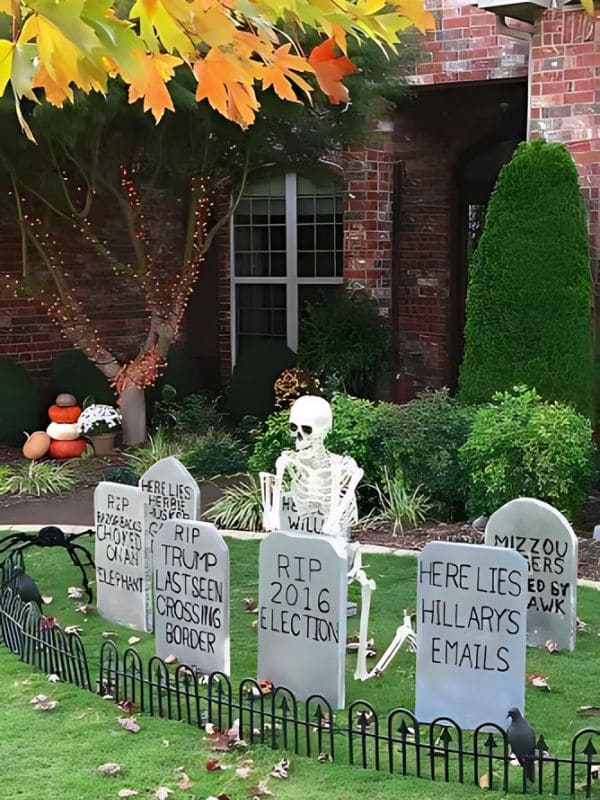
[122, 581]
[292, 520]
[170, 492]
[471, 627]
[544, 537]
[302, 615]
[191, 595]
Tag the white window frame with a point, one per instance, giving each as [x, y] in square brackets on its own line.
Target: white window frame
[291, 280]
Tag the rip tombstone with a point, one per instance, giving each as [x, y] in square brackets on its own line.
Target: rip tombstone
[544, 537]
[471, 625]
[191, 595]
[122, 581]
[302, 615]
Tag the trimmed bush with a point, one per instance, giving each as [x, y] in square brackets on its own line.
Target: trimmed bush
[73, 372]
[422, 439]
[354, 434]
[346, 339]
[259, 364]
[530, 291]
[20, 410]
[217, 453]
[194, 414]
[521, 446]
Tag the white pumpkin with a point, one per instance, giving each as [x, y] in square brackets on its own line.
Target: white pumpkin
[63, 431]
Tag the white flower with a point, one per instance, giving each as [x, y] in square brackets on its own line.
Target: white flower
[97, 413]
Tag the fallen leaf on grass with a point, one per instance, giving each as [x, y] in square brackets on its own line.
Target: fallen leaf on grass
[41, 703]
[166, 743]
[109, 635]
[185, 782]
[47, 623]
[47, 600]
[84, 608]
[71, 629]
[582, 626]
[53, 678]
[245, 769]
[265, 686]
[75, 593]
[250, 605]
[126, 705]
[171, 659]
[109, 769]
[262, 790]
[539, 681]
[280, 770]
[218, 797]
[325, 758]
[127, 793]
[551, 646]
[129, 724]
[484, 781]
[133, 640]
[214, 765]
[162, 792]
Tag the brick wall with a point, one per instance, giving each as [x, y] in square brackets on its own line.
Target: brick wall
[466, 47]
[565, 102]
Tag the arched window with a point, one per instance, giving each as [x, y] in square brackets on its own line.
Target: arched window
[286, 251]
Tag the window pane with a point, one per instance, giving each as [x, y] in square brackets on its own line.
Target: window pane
[278, 265]
[325, 209]
[306, 209]
[242, 238]
[325, 265]
[277, 237]
[242, 214]
[243, 264]
[260, 237]
[325, 237]
[277, 211]
[260, 212]
[260, 265]
[306, 265]
[306, 237]
[261, 312]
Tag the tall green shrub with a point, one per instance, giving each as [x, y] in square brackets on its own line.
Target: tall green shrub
[19, 403]
[530, 292]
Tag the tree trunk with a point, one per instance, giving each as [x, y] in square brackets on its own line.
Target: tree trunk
[132, 405]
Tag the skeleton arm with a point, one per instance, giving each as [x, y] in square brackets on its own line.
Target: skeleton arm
[344, 511]
[271, 487]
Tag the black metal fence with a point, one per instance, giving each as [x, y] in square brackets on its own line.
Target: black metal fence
[395, 742]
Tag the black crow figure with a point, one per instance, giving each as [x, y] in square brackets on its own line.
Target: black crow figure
[26, 588]
[521, 738]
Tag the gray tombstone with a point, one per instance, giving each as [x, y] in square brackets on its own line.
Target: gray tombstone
[170, 492]
[191, 595]
[292, 520]
[544, 537]
[122, 581]
[302, 615]
[471, 625]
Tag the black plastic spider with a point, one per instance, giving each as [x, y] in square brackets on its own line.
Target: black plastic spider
[51, 536]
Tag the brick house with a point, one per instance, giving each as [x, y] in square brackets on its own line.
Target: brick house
[400, 216]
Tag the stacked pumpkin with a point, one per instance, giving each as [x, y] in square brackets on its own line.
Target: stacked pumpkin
[63, 431]
[61, 437]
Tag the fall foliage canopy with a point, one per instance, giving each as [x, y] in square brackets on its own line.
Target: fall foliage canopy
[232, 47]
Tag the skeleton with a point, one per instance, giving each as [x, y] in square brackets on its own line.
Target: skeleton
[319, 483]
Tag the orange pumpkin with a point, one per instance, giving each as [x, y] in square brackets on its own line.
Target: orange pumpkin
[64, 413]
[37, 445]
[68, 449]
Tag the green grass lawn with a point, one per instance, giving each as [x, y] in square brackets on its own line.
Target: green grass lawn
[55, 754]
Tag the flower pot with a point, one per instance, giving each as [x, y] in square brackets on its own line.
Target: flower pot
[103, 443]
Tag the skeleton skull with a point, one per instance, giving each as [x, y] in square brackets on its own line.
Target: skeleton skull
[310, 421]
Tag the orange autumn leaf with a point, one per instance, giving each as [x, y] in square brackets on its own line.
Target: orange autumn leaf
[282, 73]
[151, 83]
[330, 69]
[415, 10]
[227, 83]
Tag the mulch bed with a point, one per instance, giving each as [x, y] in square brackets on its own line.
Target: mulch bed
[589, 549]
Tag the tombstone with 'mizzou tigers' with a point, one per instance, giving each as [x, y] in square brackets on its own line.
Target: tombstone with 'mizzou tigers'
[302, 614]
[191, 595]
[544, 537]
[122, 580]
[471, 627]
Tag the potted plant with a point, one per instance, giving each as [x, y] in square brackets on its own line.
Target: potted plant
[100, 423]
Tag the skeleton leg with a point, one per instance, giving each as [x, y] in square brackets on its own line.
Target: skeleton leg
[367, 588]
[404, 633]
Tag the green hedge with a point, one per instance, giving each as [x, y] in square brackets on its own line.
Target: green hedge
[530, 291]
[521, 446]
